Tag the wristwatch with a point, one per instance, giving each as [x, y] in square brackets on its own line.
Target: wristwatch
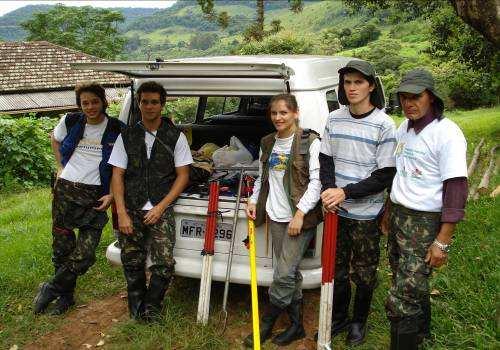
[444, 247]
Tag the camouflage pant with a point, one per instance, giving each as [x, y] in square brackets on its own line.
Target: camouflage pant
[72, 208]
[157, 240]
[411, 234]
[288, 252]
[357, 252]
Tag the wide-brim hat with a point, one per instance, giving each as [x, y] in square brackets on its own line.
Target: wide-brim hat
[376, 96]
[418, 80]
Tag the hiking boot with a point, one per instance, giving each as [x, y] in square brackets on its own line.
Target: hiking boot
[424, 327]
[296, 329]
[266, 325]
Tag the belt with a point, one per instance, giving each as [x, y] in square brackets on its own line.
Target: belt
[79, 185]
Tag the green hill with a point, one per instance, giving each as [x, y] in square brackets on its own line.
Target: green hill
[10, 29]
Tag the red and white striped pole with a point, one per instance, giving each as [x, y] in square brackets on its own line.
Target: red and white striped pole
[327, 280]
[208, 253]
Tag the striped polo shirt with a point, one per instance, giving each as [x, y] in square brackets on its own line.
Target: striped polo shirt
[359, 147]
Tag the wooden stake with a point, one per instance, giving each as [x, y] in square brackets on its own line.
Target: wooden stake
[475, 158]
[485, 181]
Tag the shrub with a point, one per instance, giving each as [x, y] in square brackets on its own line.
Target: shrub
[466, 88]
[26, 158]
[282, 43]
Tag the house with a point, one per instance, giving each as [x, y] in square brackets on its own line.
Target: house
[36, 77]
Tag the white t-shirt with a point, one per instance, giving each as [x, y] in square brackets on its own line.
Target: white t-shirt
[424, 161]
[182, 155]
[83, 165]
[277, 204]
[358, 148]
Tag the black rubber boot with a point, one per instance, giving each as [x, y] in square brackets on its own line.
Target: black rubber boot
[266, 325]
[404, 334]
[362, 302]
[424, 329]
[340, 309]
[136, 290]
[158, 286]
[62, 283]
[63, 304]
[296, 329]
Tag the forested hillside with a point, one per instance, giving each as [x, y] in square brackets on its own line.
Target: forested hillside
[394, 40]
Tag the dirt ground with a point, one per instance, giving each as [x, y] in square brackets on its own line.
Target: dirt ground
[86, 326]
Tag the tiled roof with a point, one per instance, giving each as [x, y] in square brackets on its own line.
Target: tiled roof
[16, 103]
[43, 66]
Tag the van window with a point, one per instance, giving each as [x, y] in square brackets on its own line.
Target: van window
[181, 109]
[332, 100]
[217, 105]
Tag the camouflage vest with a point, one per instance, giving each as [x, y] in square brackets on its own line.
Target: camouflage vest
[295, 179]
[149, 178]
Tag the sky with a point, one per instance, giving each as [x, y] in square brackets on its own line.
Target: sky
[8, 6]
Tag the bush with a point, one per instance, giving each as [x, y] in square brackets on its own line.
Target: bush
[27, 159]
[465, 88]
[282, 43]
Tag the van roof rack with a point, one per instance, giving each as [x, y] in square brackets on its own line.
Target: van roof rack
[191, 70]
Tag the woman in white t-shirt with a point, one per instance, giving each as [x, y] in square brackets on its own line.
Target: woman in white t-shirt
[286, 195]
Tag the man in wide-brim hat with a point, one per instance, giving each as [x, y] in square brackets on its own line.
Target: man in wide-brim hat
[427, 199]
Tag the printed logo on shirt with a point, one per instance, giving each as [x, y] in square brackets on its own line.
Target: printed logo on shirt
[278, 161]
[90, 147]
[399, 148]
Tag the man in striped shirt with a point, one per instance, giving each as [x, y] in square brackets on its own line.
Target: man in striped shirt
[356, 166]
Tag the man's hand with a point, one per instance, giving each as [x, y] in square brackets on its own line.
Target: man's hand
[106, 201]
[251, 211]
[332, 198]
[153, 215]
[435, 256]
[125, 224]
[295, 226]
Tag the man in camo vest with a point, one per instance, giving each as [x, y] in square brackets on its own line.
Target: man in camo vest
[427, 200]
[151, 168]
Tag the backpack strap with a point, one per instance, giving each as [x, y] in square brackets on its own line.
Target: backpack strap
[306, 139]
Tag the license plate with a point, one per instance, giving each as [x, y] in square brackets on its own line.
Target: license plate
[196, 229]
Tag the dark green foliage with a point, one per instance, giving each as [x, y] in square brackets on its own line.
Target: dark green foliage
[26, 159]
[359, 36]
[277, 44]
[202, 41]
[90, 30]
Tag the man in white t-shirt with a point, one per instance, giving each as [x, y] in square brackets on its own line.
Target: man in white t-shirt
[427, 200]
[82, 143]
[356, 167]
[151, 169]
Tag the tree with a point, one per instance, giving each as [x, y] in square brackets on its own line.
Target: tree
[482, 15]
[256, 30]
[90, 30]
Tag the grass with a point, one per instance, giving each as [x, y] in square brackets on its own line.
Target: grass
[464, 313]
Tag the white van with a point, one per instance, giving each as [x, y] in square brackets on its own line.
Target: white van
[230, 96]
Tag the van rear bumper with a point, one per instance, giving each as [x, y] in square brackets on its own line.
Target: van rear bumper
[189, 265]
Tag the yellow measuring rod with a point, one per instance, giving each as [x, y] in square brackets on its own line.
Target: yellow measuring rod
[253, 284]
